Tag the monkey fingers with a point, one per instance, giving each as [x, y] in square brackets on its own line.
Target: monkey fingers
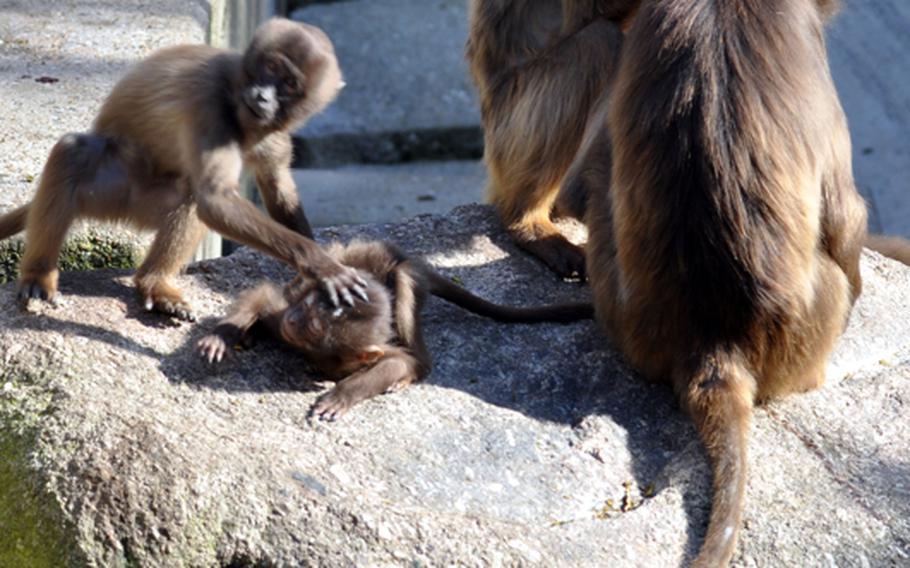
[167, 304]
[213, 348]
[37, 289]
[564, 258]
[333, 405]
[342, 283]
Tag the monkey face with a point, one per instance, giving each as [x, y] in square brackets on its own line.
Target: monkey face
[274, 85]
[333, 338]
[290, 72]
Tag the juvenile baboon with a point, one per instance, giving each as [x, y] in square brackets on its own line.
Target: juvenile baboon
[539, 66]
[372, 346]
[166, 153]
[724, 226]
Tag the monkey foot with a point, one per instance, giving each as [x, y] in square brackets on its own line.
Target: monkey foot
[173, 306]
[212, 348]
[37, 289]
[332, 405]
[567, 260]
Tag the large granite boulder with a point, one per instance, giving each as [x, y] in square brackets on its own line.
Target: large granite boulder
[528, 445]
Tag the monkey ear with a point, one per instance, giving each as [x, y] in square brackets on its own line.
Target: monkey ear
[371, 354]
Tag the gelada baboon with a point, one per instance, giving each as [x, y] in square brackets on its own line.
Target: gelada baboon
[724, 226]
[373, 346]
[166, 152]
[540, 66]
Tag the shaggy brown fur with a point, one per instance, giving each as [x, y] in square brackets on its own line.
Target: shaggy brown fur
[540, 66]
[166, 153]
[725, 228]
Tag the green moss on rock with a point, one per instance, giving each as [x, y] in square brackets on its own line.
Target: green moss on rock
[33, 532]
[87, 251]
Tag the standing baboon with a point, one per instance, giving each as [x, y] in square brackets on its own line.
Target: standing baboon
[724, 226]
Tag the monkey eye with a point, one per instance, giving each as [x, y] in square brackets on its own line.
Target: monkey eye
[271, 66]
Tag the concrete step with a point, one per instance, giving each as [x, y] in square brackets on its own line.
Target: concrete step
[408, 93]
[358, 194]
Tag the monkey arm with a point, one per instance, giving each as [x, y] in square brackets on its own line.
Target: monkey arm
[396, 369]
[409, 299]
[221, 207]
[263, 303]
[271, 160]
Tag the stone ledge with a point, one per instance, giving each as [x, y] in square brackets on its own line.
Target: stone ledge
[125, 449]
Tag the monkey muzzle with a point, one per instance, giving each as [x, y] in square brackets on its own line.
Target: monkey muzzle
[262, 102]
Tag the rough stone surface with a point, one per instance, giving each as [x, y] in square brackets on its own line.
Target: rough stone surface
[405, 71]
[389, 193]
[122, 448]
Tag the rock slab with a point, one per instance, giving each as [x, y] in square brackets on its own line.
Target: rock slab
[527, 446]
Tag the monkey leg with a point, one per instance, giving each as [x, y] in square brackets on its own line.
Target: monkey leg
[537, 234]
[77, 179]
[523, 193]
[534, 124]
[272, 160]
[798, 360]
[177, 238]
[409, 300]
[398, 370]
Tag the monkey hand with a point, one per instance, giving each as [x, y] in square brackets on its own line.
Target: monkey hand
[212, 348]
[333, 405]
[340, 281]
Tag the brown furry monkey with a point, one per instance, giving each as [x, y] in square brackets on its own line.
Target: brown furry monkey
[166, 153]
[539, 66]
[372, 346]
[724, 225]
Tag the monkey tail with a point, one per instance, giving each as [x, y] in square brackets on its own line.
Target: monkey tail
[13, 222]
[719, 397]
[892, 247]
[559, 313]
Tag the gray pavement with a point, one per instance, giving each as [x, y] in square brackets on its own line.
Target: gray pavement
[386, 194]
[58, 60]
[869, 47]
[409, 96]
